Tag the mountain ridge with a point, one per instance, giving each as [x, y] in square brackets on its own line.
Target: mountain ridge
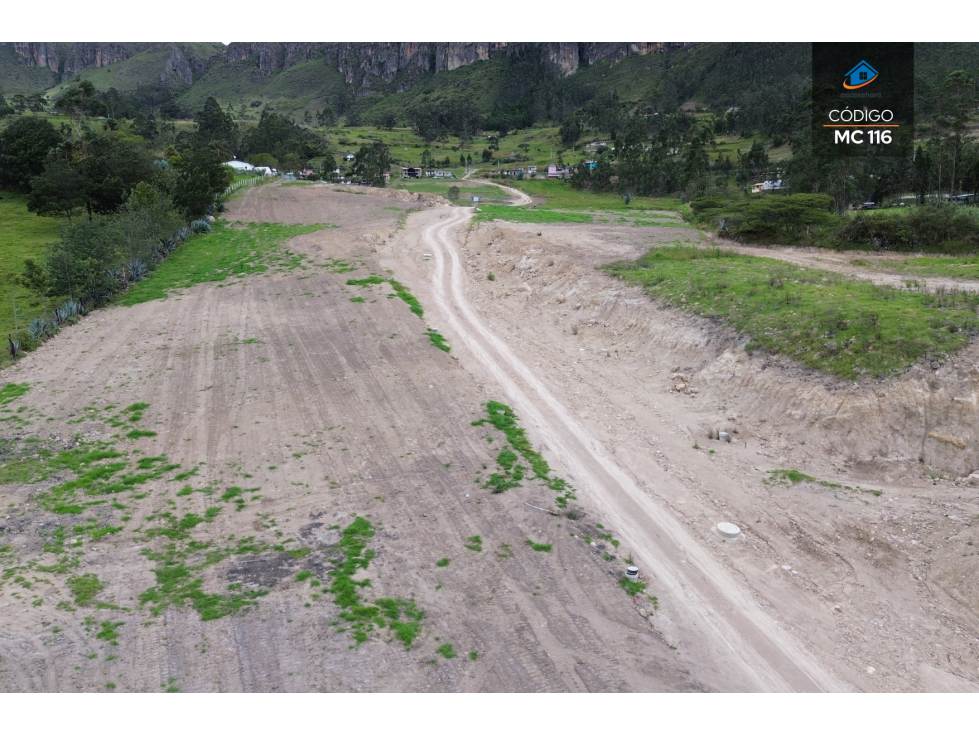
[362, 64]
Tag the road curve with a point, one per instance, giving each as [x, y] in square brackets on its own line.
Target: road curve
[720, 624]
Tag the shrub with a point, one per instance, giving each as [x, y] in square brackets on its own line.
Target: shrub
[933, 228]
[200, 226]
[773, 219]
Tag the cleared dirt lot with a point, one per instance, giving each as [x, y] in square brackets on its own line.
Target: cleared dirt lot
[331, 409]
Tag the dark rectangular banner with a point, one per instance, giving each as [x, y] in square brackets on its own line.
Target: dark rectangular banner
[862, 100]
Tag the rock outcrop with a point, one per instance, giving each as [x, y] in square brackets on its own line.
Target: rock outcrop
[182, 62]
[367, 66]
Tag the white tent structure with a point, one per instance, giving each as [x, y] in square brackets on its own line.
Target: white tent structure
[240, 165]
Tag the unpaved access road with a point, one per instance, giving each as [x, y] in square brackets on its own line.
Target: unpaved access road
[748, 649]
[841, 262]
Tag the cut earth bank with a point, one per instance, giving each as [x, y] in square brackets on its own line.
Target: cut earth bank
[309, 429]
[864, 552]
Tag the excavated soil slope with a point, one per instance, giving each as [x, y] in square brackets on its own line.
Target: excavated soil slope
[875, 577]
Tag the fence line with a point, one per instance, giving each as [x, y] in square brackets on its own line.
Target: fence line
[243, 183]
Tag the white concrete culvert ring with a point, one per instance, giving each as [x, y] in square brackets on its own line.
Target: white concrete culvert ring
[728, 529]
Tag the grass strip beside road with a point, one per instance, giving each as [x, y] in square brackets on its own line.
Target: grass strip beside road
[826, 321]
[230, 250]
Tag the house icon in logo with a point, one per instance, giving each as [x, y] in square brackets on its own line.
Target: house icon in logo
[859, 76]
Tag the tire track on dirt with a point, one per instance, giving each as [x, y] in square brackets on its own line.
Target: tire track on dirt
[747, 646]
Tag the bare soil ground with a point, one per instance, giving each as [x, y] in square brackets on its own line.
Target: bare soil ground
[829, 588]
[877, 591]
[333, 409]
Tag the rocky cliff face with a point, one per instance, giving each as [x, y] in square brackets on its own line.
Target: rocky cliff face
[67, 59]
[368, 64]
[365, 66]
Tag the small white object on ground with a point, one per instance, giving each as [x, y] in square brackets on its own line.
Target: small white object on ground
[728, 530]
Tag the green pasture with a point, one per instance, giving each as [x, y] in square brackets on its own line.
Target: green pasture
[22, 235]
[826, 321]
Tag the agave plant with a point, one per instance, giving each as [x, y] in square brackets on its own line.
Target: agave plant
[137, 270]
[200, 226]
[67, 310]
[37, 327]
[182, 234]
[117, 275]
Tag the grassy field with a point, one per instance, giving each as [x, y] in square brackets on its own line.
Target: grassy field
[232, 250]
[823, 320]
[22, 235]
[556, 201]
[559, 195]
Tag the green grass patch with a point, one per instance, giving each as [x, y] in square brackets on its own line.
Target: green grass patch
[84, 588]
[503, 418]
[446, 651]
[531, 215]
[399, 290]
[793, 477]
[231, 250]
[140, 434]
[475, 543]
[540, 547]
[632, 588]
[11, 391]
[555, 194]
[438, 340]
[443, 562]
[825, 321]
[401, 616]
[23, 235]
[108, 634]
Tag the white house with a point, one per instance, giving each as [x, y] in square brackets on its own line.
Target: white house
[240, 165]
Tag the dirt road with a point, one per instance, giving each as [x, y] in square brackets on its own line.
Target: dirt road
[749, 650]
[840, 262]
